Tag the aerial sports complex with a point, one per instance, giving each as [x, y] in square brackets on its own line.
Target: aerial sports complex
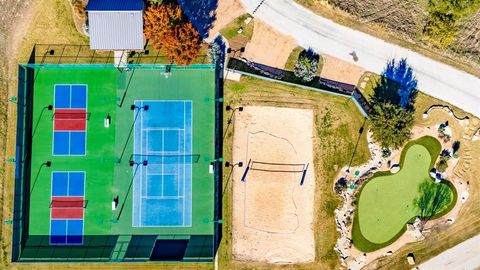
[116, 164]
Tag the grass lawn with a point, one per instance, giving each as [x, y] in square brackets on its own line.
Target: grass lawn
[385, 202]
[235, 39]
[337, 122]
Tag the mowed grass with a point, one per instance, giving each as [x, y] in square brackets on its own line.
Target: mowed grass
[385, 204]
[337, 125]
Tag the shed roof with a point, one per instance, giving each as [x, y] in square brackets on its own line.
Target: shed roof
[120, 30]
[114, 5]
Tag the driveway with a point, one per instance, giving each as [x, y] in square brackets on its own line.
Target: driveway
[324, 36]
[465, 256]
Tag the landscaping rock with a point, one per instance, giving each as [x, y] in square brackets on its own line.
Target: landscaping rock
[395, 168]
[411, 259]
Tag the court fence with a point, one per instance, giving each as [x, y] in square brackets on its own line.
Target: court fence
[102, 248]
[249, 68]
[82, 54]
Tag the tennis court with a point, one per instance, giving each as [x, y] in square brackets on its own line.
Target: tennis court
[67, 208]
[70, 120]
[162, 189]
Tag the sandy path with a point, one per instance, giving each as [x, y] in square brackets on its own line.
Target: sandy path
[268, 46]
[341, 71]
[272, 212]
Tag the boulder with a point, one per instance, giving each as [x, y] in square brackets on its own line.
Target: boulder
[395, 168]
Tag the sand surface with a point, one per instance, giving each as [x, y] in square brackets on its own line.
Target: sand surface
[339, 70]
[268, 46]
[273, 211]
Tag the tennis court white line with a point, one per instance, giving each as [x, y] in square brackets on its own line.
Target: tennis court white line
[161, 197]
[141, 175]
[184, 140]
[166, 152]
[161, 129]
[157, 174]
[178, 166]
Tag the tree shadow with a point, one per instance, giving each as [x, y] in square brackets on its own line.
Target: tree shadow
[201, 13]
[309, 54]
[398, 85]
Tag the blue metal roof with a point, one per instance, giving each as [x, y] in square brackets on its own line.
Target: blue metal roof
[114, 5]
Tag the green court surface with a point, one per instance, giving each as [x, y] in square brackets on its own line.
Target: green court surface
[385, 203]
[106, 162]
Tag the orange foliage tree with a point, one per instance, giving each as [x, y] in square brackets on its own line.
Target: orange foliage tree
[168, 29]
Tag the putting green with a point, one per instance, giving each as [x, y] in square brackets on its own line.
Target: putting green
[386, 202]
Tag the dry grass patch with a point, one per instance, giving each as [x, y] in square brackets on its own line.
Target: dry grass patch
[226, 12]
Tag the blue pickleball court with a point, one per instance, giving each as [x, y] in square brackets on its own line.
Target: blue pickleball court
[70, 116]
[162, 189]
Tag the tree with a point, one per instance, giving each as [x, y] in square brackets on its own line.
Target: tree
[393, 104]
[306, 66]
[391, 124]
[433, 197]
[168, 29]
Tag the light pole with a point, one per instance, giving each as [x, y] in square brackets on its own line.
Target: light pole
[47, 164]
[230, 165]
[230, 108]
[131, 163]
[229, 50]
[138, 108]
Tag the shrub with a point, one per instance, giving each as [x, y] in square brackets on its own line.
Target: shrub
[386, 152]
[340, 185]
[442, 164]
[455, 148]
[307, 65]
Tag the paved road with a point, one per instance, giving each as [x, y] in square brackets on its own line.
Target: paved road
[465, 256]
[324, 36]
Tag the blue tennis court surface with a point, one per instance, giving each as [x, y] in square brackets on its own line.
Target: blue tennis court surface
[162, 189]
[70, 116]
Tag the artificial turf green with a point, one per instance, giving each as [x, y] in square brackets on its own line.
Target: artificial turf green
[385, 202]
[106, 177]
